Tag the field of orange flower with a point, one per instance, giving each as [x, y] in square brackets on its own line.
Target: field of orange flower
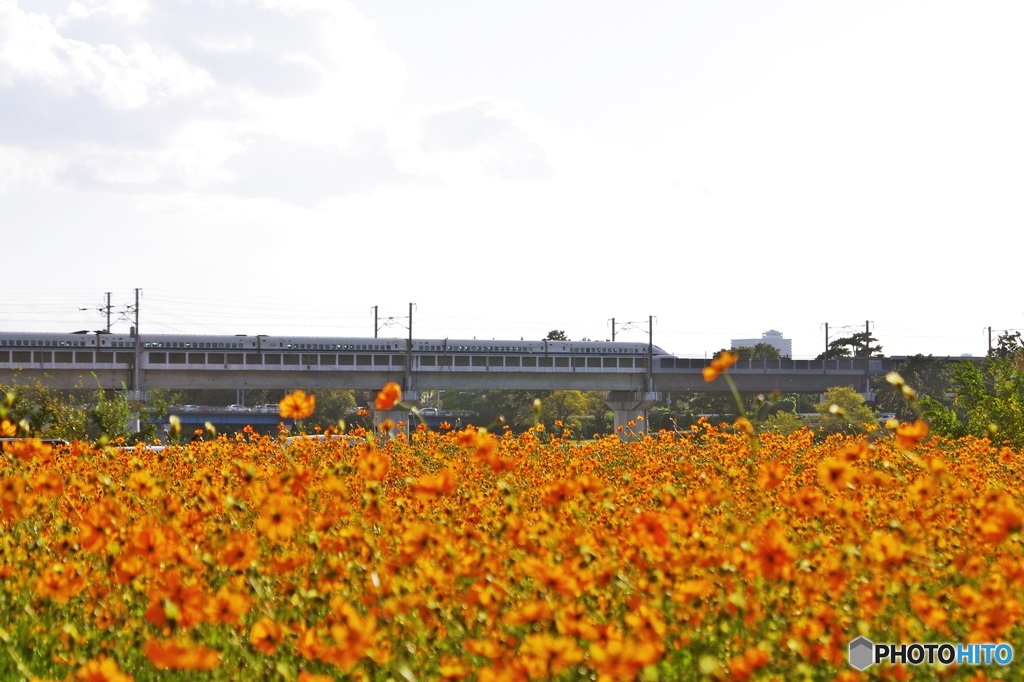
[693, 555]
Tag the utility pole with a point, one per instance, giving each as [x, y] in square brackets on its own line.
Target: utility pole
[103, 309]
[613, 330]
[408, 354]
[824, 358]
[376, 326]
[108, 312]
[867, 359]
[650, 352]
[137, 374]
[137, 394]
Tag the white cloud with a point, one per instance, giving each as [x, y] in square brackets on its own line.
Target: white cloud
[35, 52]
[158, 97]
[17, 165]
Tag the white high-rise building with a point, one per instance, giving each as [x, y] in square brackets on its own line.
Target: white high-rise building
[772, 338]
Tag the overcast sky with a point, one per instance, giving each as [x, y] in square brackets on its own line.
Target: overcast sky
[283, 166]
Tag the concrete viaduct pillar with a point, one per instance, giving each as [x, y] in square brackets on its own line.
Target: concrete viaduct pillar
[626, 406]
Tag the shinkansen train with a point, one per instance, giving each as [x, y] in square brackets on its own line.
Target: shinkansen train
[285, 344]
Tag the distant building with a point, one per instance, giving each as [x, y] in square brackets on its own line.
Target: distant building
[772, 338]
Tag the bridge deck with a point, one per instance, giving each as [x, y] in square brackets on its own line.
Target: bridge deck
[208, 369]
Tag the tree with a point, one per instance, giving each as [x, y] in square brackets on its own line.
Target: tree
[843, 411]
[1008, 346]
[927, 375]
[771, 407]
[988, 397]
[584, 413]
[495, 408]
[858, 345]
[782, 423]
[111, 416]
[48, 413]
[556, 335]
[760, 351]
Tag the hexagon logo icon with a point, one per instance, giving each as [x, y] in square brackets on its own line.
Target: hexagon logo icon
[862, 653]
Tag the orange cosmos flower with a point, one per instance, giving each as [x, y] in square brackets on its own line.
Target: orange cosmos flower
[48, 484]
[11, 490]
[297, 405]
[173, 655]
[266, 635]
[544, 655]
[7, 429]
[102, 669]
[834, 473]
[239, 552]
[279, 516]
[310, 677]
[388, 397]
[724, 361]
[774, 556]
[176, 600]
[227, 606]
[151, 543]
[29, 449]
[61, 582]
[887, 550]
[374, 466]
[616, 659]
[442, 483]
[771, 474]
[909, 435]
